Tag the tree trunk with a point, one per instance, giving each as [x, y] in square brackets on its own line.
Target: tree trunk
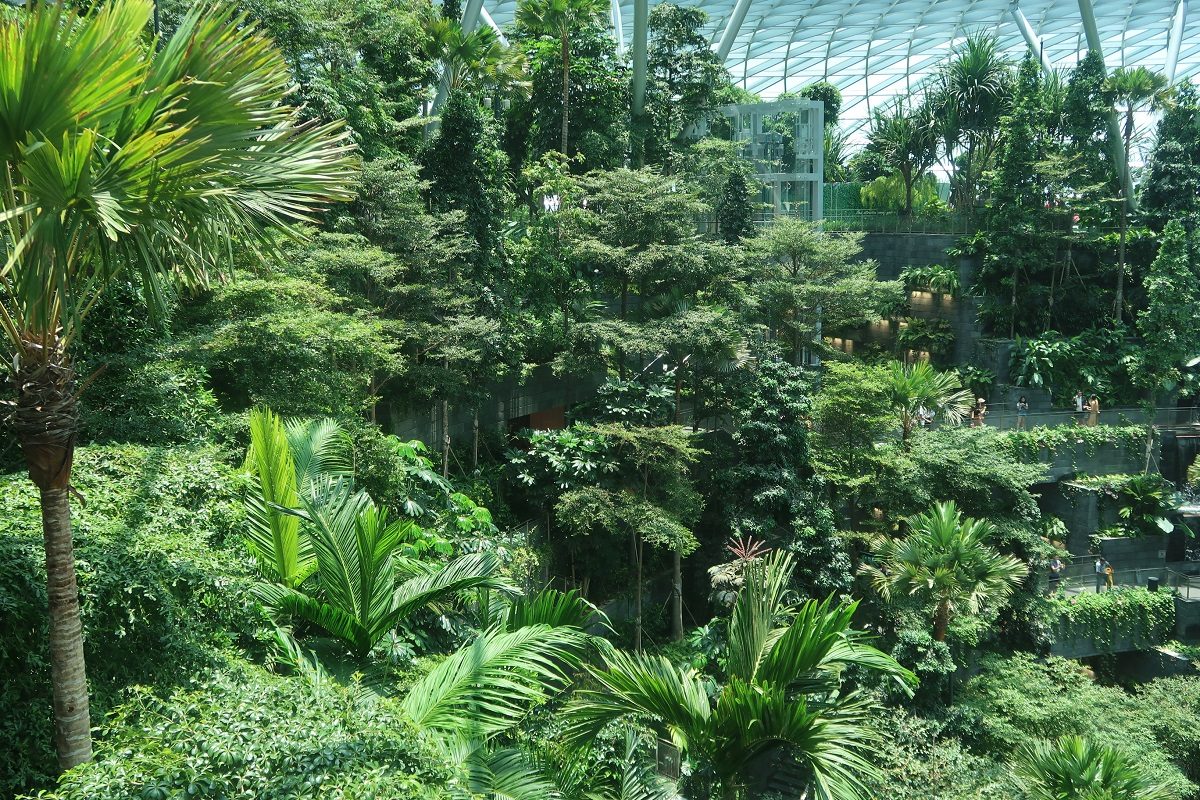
[941, 621]
[475, 448]
[637, 595]
[677, 598]
[566, 89]
[445, 438]
[44, 420]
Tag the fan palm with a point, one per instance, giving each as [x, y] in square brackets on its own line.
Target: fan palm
[945, 560]
[558, 18]
[479, 59]
[1074, 768]
[783, 695]
[912, 387]
[122, 155]
[1132, 89]
[360, 596]
[288, 460]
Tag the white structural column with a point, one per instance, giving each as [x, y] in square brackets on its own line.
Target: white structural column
[491, 23]
[1176, 39]
[641, 23]
[470, 19]
[1116, 149]
[614, 11]
[1031, 38]
[731, 29]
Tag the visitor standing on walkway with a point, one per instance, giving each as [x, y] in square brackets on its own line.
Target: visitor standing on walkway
[1080, 402]
[1022, 413]
[978, 412]
[1108, 576]
[1093, 408]
[1099, 573]
[1056, 568]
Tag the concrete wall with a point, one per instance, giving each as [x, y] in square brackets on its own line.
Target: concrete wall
[542, 395]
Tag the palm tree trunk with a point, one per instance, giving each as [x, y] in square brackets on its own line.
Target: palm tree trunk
[941, 621]
[44, 420]
[566, 89]
[637, 593]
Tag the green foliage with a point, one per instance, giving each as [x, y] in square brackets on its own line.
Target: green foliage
[1124, 614]
[684, 79]
[939, 278]
[945, 561]
[1172, 180]
[917, 386]
[1170, 325]
[244, 733]
[829, 95]
[735, 213]
[1027, 445]
[164, 587]
[465, 170]
[767, 488]
[850, 418]
[1075, 767]
[1019, 698]
[890, 193]
[906, 140]
[768, 699]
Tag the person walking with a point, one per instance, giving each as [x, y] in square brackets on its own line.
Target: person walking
[1022, 413]
[1093, 409]
[978, 412]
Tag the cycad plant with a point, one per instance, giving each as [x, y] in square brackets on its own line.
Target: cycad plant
[364, 585]
[128, 158]
[912, 387]
[945, 560]
[1075, 768]
[783, 694]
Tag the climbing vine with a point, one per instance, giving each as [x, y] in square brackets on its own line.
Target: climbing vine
[1132, 614]
[1027, 445]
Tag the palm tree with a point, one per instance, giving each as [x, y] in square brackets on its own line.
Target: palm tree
[974, 91]
[478, 59]
[783, 695]
[945, 560]
[126, 155]
[1074, 768]
[907, 139]
[559, 18]
[912, 387]
[1132, 89]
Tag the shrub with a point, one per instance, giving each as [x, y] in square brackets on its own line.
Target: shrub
[244, 734]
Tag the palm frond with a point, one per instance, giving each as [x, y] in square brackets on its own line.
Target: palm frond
[489, 685]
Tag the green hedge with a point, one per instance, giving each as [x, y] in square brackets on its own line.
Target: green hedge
[1124, 614]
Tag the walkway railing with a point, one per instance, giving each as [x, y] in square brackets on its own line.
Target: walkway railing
[1004, 417]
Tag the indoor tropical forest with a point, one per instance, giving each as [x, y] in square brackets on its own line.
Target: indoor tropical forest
[584, 400]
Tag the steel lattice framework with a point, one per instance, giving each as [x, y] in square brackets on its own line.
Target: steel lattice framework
[873, 50]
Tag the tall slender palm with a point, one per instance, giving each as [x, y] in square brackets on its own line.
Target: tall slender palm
[1132, 89]
[782, 697]
[912, 387]
[1074, 768]
[122, 155]
[559, 18]
[945, 560]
